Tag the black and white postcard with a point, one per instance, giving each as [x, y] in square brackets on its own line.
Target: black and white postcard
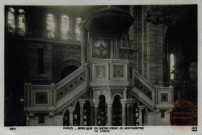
[92, 68]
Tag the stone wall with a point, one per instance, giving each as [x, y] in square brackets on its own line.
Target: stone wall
[155, 119]
[149, 39]
[56, 57]
[155, 42]
[65, 55]
[33, 60]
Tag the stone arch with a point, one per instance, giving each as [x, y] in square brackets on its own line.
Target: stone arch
[65, 64]
[62, 112]
[146, 109]
[101, 96]
[117, 94]
[66, 117]
[135, 100]
[97, 94]
[75, 103]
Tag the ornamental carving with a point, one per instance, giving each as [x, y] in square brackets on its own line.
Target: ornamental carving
[118, 70]
[98, 92]
[143, 89]
[101, 48]
[41, 97]
[70, 86]
[100, 71]
[164, 97]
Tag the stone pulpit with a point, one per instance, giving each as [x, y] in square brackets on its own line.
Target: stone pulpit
[106, 89]
[109, 74]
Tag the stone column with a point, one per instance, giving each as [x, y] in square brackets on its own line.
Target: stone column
[27, 119]
[109, 113]
[128, 113]
[71, 111]
[81, 112]
[123, 104]
[95, 112]
[140, 115]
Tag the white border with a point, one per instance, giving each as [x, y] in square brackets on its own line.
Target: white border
[149, 130]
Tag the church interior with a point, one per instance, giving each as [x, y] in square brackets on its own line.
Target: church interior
[98, 65]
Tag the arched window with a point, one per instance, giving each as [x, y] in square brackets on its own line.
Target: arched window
[21, 22]
[11, 20]
[78, 32]
[172, 64]
[50, 26]
[65, 27]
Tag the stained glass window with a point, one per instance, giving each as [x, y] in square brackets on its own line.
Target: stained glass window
[65, 27]
[11, 20]
[21, 22]
[78, 32]
[50, 26]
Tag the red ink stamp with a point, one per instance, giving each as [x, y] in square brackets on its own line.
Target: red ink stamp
[182, 116]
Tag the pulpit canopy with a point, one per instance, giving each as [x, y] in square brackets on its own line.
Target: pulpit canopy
[109, 19]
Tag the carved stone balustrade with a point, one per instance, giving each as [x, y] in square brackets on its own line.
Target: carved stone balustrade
[39, 97]
[164, 96]
[72, 81]
[111, 72]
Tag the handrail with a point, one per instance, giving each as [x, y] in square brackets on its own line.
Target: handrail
[143, 98]
[71, 76]
[143, 80]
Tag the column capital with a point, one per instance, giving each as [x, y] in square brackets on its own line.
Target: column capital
[82, 101]
[91, 104]
[71, 109]
[31, 115]
[123, 101]
[109, 102]
[51, 114]
[128, 101]
[141, 107]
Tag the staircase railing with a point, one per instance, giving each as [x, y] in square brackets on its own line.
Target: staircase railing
[157, 96]
[71, 81]
[143, 85]
[143, 80]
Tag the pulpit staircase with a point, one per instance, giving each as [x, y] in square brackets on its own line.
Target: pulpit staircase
[60, 95]
[72, 86]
